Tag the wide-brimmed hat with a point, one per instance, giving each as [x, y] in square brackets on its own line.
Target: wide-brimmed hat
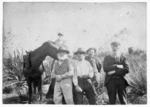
[63, 49]
[80, 51]
[60, 34]
[115, 43]
[91, 49]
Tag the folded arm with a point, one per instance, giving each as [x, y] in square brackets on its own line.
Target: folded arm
[124, 70]
[107, 67]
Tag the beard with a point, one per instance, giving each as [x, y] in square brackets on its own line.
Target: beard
[116, 54]
[62, 57]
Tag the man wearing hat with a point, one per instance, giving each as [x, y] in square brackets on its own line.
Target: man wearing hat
[63, 72]
[95, 64]
[82, 79]
[60, 41]
[116, 67]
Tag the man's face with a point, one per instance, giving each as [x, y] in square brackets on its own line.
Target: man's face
[62, 55]
[115, 48]
[80, 56]
[91, 53]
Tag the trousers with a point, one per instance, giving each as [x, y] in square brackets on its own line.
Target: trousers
[117, 86]
[88, 91]
[63, 88]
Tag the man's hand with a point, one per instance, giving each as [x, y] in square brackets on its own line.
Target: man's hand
[119, 66]
[111, 72]
[78, 88]
[58, 78]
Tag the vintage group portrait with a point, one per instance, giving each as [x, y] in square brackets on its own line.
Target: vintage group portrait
[74, 53]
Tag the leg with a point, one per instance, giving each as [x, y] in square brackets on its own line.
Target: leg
[90, 94]
[66, 86]
[30, 91]
[34, 87]
[50, 92]
[78, 97]
[57, 93]
[111, 89]
[122, 93]
[40, 87]
[94, 85]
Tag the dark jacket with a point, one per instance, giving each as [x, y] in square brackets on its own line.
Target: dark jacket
[109, 65]
[94, 61]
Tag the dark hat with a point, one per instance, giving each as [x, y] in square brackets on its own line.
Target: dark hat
[91, 49]
[60, 34]
[80, 51]
[63, 49]
[115, 43]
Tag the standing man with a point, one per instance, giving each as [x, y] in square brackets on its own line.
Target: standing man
[116, 67]
[63, 72]
[95, 63]
[82, 79]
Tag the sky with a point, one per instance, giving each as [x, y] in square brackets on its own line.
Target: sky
[27, 25]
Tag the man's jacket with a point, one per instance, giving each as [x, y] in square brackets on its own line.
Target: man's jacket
[110, 63]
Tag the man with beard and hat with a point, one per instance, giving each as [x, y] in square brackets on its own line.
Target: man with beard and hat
[63, 72]
[82, 79]
[116, 67]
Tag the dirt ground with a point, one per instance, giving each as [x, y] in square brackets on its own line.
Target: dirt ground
[13, 98]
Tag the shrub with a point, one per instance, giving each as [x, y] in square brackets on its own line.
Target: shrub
[13, 73]
[137, 77]
[7, 90]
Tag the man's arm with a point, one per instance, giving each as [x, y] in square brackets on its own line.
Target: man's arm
[75, 78]
[98, 65]
[91, 70]
[124, 70]
[106, 66]
[75, 82]
[53, 75]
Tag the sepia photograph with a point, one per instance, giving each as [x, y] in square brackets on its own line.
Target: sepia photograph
[74, 53]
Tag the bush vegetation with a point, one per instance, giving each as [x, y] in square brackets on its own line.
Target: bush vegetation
[13, 78]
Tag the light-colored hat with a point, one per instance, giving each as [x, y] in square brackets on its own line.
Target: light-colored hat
[63, 49]
[80, 51]
[115, 43]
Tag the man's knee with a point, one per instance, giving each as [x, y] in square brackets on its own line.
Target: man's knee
[69, 101]
[57, 100]
[92, 101]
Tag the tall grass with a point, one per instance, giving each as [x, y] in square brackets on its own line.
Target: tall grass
[13, 74]
[137, 78]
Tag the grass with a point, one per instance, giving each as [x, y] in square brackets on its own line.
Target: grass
[137, 78]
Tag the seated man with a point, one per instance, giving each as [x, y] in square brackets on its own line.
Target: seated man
[60, 41]
[82, 79]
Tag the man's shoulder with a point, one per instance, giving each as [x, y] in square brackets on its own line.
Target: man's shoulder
[87, 58]
[67, 60]
[107, 56]
[87, 62]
